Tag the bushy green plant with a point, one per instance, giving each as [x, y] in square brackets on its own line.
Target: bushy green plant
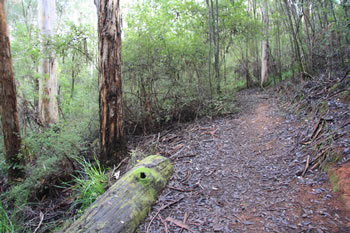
[45, 152]
[90, 184]
[223, 105]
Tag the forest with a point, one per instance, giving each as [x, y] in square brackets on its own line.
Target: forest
[174, 116]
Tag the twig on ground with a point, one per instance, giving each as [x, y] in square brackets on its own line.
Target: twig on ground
[179, 223]
[113, 171]
[164, 223]
[319, 155]
[184, 221]
[199, 184]
[180, 189]
[211, 172]
[41, 221]
[318, 163]
[160, 209]
[183, 156]
[306, 165]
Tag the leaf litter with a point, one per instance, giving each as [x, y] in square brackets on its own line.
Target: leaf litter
[238, 174]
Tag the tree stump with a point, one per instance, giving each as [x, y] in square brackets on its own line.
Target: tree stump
[124, 205]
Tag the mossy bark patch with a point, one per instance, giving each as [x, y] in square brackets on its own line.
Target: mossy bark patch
[123, 207]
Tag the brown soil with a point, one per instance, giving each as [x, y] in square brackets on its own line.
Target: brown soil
[238, 174]
[343, 183]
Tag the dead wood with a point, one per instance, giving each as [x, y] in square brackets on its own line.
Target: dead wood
[306, 165]
[124, 206]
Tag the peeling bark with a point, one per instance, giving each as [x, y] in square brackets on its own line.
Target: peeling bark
[113, 146]
[8, 104]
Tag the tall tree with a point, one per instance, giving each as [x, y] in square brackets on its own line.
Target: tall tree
[210, 46]
[113, 145]
[215, 37]
[8, 104]
[217, 52]
[48, 106]
[307, 25]
[294, 33]
[264, 45]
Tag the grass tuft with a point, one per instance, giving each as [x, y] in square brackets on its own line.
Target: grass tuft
[6, 225]
[90, 184]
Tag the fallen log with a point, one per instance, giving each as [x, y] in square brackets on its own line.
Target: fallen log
[124, 205]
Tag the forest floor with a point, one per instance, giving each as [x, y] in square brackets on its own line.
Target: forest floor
[237, 173]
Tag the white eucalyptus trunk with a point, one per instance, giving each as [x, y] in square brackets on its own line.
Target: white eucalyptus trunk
[48, 106]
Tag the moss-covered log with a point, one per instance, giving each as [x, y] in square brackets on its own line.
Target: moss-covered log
[123, 206]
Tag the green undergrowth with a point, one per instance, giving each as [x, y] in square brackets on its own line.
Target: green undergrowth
[49, 156]
[90, 184]
[7, 225]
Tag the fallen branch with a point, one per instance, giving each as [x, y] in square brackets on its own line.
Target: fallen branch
[319, 155]
[315, 128]
[320, 127]
[318, 163]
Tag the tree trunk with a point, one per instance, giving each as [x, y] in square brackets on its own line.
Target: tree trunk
[308, 41]
[279, 51]
[73, 77]
[113, 145]
[210, 41]
[217, 53]
[48, 105]
[124, 206]
[8, 104]
[264, 45]
[295, 39]
[257, 71]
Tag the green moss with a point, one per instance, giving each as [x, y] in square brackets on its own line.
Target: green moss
[150, 159]
[145, 175]
[130, 198]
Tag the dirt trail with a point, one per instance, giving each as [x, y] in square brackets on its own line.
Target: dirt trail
[237, 174]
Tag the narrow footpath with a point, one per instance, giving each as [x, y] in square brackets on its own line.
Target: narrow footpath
[238, 174]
